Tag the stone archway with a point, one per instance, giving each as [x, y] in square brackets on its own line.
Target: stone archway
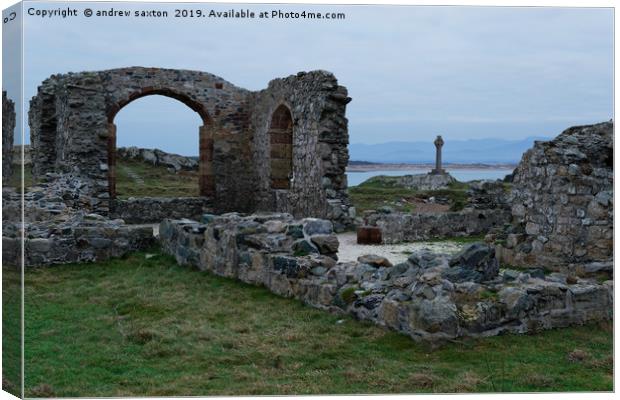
[72, 132]
[206, 179]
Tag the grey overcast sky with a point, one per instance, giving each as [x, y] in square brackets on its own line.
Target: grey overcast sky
[412, 71]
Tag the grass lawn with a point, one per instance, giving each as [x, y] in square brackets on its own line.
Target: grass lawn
[11, 331]
[383, 191]
[144, 326]
[140, 179]
[15, 180]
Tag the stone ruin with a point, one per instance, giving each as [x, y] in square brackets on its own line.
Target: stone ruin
[562, 203]
[286, 144]
[547, 261]
[430, 297]
[8, 133]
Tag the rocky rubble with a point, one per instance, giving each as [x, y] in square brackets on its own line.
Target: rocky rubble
[476, 263]
[144, 210]
[59, 228]
[174, 162]
[421, 297]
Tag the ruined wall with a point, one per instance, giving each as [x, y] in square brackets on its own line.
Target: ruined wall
[8, 134]
[411, 227]
[72, 116]
[563, 201]
[56, 233]
[320, 139]
[155, 209]
[80, 242]
[429, 297]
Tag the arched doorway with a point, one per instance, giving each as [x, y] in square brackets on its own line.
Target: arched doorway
[206, 179]
[281, 148]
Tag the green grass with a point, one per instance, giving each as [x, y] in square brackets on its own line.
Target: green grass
[11, 331]
[371, 198]
[15, 180]
[375, 193]
[157, 181]
[145, 326]
[460, 239]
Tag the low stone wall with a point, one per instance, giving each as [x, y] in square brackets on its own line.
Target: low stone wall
[146, 210]
[429, 297]
[57, 233]
[81, 238]
[405, 227]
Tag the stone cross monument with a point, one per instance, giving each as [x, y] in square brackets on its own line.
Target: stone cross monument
[438, 145]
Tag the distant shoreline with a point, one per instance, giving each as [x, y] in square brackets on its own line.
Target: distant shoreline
[363, 166]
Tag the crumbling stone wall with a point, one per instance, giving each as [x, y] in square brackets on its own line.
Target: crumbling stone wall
[73, 131]
[409, 227]
[320, 138]
[55, 233]
[8, 133]
[562, 201]
[487, 194]
[155, 209]
[429, 297]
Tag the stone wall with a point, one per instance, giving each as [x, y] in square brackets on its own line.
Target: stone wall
[488, 194]
[78, 241]
[155, 209]
[429, 297]
[57, 234]
[399, 227]
[320, 146]
[8, 134]
[72, 131]
[562, 201]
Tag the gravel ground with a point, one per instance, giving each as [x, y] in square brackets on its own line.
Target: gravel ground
[349, 250]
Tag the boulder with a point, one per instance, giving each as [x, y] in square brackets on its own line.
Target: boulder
[315, 226]
[426, 259]
[475, 263]
[374, 260]
[303, 247]
[327, 244]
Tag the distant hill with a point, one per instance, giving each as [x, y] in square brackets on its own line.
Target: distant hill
[488, 151]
